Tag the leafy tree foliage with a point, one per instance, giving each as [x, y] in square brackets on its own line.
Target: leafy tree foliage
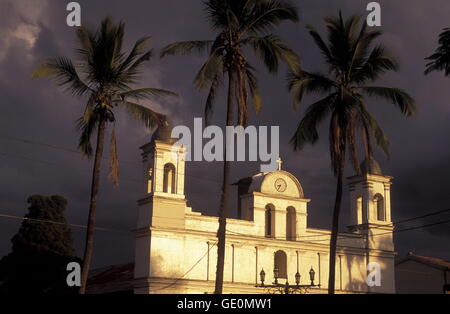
[41, 250]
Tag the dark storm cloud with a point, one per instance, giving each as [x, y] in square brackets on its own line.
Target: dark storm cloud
[38, 111]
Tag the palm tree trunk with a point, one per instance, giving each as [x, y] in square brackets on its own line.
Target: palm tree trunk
[89, 246]
[334, 231]
[223, 210]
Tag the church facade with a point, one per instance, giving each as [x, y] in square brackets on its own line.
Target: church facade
[176, 247]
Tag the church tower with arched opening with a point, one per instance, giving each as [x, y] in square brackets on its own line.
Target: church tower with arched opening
[370, 205]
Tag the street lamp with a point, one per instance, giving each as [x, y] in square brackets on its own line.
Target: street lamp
[297, 278]
[312, 274]
[262, 274]
[286, 288]
[276, 273]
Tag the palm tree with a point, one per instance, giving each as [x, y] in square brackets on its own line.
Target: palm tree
[239, 24]
[353, 62]
[103, 74]
[440, 60]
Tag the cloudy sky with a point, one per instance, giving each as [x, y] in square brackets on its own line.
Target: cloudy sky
[38, 138]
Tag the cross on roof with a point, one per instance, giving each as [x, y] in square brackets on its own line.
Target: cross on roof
[279, 162]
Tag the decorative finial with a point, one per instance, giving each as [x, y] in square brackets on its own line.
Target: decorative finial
[279, 162]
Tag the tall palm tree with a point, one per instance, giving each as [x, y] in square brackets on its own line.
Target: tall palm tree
[440, 60]
[103, 75]
[354, 63]
[238, 24]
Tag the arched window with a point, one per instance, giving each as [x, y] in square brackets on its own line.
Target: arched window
[359, 206]
[169, 179]
[270, 220]
[378, 203]
[291, 224]
[281, 264]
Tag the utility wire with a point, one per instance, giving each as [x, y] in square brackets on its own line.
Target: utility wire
[63, 224]
[188, 271]
[56, 164]
[343, 236]
[352, 237]
[243, 234]
[424, 216]
[26, 141]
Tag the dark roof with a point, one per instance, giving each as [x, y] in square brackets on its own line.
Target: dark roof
[371, 166]
[112, 279]
[431, 261]
[163, 133]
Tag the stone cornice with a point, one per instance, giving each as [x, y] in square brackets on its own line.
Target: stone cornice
[369, 178]
[290, 198]
[149, 199]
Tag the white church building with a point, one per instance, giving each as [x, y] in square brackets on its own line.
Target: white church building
[176, 247]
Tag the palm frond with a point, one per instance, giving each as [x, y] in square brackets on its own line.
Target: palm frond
[266, 14]
[371, 125]
[117, 39]
[303, 83]
[322, 47]
[146, 93]
[361, 47]
[131, 74]
[306, 132]
[89, 110]
[64, 73]
[397, 96]
[209, 105]
[378, 62]
[252, 82]
[187, 47]
[351, 26]
[226, 14]
[86, 126]
[209, 70]
[140, 48]
[271, 50]
[339, 43]
[148, 117]
[87, 42]
[440, 60]
[107, 56]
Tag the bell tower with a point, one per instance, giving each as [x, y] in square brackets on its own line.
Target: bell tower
[162, 204]
[163, 169]
[370, 205]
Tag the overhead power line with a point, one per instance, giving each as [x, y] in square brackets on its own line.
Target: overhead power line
[188, 271]
[63, 224]
[72, 151]
[243, 234]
